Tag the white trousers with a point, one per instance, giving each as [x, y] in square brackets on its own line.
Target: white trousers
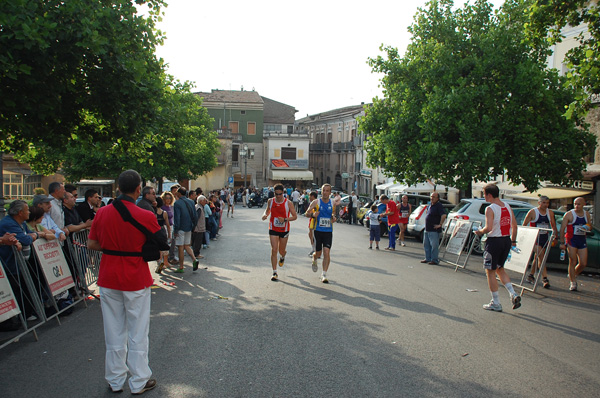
[126, 326]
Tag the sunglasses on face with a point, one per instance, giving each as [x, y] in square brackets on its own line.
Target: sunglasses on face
[278, 193]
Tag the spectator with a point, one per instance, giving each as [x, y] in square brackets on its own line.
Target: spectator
[56, 192]
[124, 283]
[73, 221]
[15, 232]
[34, 222]
[87, 209]
[148, 197]
[183, 224]
[200, 228]
[44, 202]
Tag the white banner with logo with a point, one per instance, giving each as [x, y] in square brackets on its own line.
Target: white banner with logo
[54, 265]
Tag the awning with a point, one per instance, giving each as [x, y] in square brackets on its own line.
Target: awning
[552, 193]
[98, 182]
[385, 186]
[290, 175]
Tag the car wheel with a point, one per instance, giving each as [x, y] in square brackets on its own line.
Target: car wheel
[249, 205]
[477, 249]
[420, 236]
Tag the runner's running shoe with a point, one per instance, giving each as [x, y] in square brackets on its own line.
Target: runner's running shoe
[274, 277]
[281, 260]
[516, 301]
[493, 307]
[315, 268]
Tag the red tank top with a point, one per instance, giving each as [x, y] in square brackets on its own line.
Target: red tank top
[279, 210]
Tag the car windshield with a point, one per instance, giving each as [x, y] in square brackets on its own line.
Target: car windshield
[461, 206]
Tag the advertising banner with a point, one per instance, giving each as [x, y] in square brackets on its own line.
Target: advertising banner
[459, 236]
[54, 265]
[8, 304]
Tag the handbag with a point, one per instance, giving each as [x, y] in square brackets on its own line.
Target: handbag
[153, 245]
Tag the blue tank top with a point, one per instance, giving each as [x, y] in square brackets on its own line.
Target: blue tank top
[324, 218]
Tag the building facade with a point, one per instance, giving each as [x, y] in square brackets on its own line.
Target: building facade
[238, 120]
[286, 150]
[333, 146]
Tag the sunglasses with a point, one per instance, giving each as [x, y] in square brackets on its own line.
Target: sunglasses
[278, 193]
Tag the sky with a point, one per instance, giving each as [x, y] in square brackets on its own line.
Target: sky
[309, 54]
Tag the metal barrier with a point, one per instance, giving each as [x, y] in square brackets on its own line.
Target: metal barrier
[47, 271]
[87, 261]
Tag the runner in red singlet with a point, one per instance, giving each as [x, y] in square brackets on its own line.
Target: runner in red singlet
[282, 212]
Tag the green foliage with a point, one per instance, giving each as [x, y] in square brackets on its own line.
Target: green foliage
[469, 100]
[547, 19]
[181, 145]
[82, 66]
[82, 89]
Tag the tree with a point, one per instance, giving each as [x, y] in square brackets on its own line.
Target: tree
[182, 144]
[547, 19]
[470, 100]
[78, 71]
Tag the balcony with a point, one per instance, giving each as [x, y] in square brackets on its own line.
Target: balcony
[320, 147]
[226, 134]
[343, 146]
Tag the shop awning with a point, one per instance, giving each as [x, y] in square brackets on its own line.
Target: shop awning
[385, 186]
[290, 175]
[552, 193]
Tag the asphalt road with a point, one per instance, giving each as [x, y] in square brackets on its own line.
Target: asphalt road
[386, 326]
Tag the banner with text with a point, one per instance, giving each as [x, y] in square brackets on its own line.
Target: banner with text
[54, 265]
[8, 304]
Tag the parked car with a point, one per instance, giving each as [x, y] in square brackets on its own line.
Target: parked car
[593, 242]
[361, 200]
[362, 212]
[474, 210]
[416, 221]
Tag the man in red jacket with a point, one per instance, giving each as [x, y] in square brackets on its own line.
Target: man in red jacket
[124, 282]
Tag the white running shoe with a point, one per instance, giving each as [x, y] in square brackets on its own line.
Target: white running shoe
[493, 307]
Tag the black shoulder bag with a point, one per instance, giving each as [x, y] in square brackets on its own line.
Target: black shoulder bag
[154, 242]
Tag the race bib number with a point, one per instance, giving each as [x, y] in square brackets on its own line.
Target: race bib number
[580, 229]
[404, 214]
[278, 224]
[543, 225]
[324, 222]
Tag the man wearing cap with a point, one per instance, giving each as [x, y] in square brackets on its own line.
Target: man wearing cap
[45, 203]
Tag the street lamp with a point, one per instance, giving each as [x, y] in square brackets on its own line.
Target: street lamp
[244, 154]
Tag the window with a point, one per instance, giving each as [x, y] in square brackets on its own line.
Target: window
[235, 151]
[290, 129]
[234, 127]
[13, 184]
[31, 182]
[243, 112]
[288, 153]
[251, 128]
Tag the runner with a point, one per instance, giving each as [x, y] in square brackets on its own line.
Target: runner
[541, 217]
[405, 211]
[312, 224]
[501, 227]
[282, 212]
[577, 222]
[323, 210]
[230, 202]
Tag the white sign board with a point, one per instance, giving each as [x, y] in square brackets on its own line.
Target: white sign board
[526, 238]
[54, 265]
[8, 305]
[459, 236]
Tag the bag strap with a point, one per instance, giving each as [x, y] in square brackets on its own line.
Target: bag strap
[124, 212]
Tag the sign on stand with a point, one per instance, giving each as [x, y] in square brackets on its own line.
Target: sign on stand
[519, 259]
[8, 304]
[458, 242]
[54, 265]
